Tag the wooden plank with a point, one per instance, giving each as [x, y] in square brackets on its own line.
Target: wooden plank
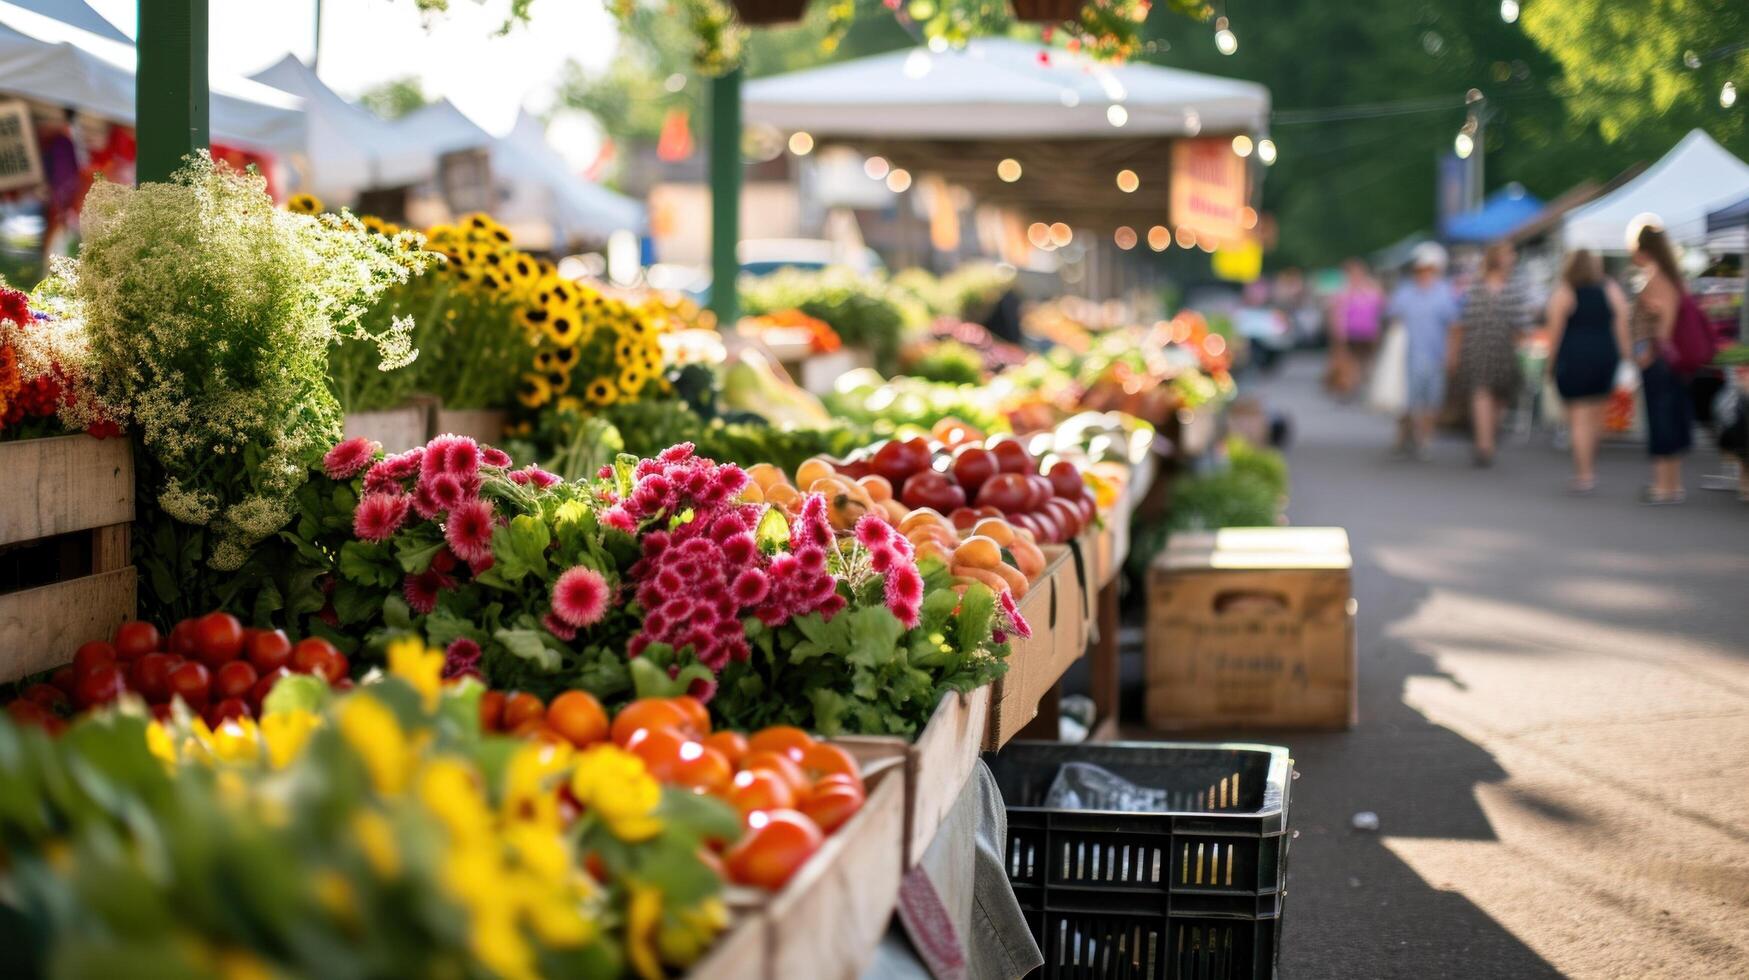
[1105, 665]
[64, 484]
[937, 764]
[1053, 609]
[41, 627]
[828, 920]
[110, 547]
[739, 953]
[397, 429]
[482, 425]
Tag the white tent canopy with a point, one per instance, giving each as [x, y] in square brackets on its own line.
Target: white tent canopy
[51, 61]
[1695, 177]
[1001, 88]
[77, 13]
[347, 148]
[543, 203]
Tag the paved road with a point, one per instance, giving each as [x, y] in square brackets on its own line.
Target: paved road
[1554, 720]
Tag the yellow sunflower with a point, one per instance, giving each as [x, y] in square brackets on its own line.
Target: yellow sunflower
[559, 379]
[545, 361]
[625, 351]
[563, 328]
[601, 392]
[632, 380]
[304, 204]
[534, 391]
[534, 317]
[566, 357]
[570, 403]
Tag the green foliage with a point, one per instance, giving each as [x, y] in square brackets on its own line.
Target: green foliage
[1258, 464]
[394, 98]
[949, 362]
[866, 397]
[864, 310]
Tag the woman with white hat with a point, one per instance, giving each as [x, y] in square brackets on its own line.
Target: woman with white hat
[1426, 307]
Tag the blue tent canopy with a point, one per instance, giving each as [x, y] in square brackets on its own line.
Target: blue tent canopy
[1500, 215]
[1726, 218]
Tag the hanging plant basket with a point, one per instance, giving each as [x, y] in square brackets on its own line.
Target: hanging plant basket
[756, 13]
[1047, 11]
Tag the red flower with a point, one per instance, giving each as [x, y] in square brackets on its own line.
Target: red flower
[493, 456]
[580, 596]
[379, 515]
[349, 458]
[461, 658]
[561, 629]
[469, 530]
[14, 306]
[420, 591]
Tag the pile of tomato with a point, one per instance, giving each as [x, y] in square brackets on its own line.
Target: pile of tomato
[219, 669]
[791, 789]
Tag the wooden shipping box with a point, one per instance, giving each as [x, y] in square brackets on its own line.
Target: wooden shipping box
[1053, 609]
[1252, 628]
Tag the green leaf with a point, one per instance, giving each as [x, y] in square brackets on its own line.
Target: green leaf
[829, 708]
[354, 603]
[977, 616]
[443, 627]
[520, 548]
[652, 681]
[874, 636]
[297, 692]
[415, 555]
[366, 564]
[530, 645]
[397, 615]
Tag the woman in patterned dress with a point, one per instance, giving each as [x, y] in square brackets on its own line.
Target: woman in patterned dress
[1496, 312]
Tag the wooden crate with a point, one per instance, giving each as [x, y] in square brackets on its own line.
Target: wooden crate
[1252, 628]
[937, 765]
[828, 920]
[739, 953]
[482, 425]
[82, 490]
[397, 429]
[1053, 609]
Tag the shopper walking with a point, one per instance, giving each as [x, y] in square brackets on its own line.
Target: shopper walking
[1587, 321]
[1426, 308]
[1669, 409]
[1355, 315]
[1497, 310]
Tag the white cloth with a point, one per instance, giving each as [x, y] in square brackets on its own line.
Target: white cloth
[1390, 374]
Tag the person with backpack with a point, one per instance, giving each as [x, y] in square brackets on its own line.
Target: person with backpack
[1671, 340]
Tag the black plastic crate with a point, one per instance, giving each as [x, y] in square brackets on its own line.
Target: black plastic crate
[1190, 892]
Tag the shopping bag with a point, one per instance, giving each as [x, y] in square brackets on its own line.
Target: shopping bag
[1389, 394]
[1627, 377]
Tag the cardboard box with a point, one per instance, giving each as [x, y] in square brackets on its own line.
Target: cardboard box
[1252, 628]
[1053, 609]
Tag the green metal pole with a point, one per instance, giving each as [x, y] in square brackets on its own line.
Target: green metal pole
[170, 89]
[725, 166]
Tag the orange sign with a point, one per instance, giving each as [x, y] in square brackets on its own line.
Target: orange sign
[1209, 189]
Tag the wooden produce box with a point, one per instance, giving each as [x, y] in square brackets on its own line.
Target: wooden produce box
[68, 505]
[937, 765]
[828, 920]
[1053, 608]
[739, 953]
[481, 425]
[397, 429]
[1252, 628]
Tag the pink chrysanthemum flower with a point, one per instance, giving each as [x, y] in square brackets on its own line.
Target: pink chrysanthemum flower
[558, 627]
[453, 454]
[675, 453]
[1022, 628]
[469, 530]
[740, 549]
[379, 515]
[750, 587]
[401, 466]
[420, 591]
[580, 596]
[380, 479]
[493, 456]
[461, 658]
[445, 490]
[349, 457]
[541, 478]
[605, 473]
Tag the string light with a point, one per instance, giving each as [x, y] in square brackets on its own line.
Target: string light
[1266, 152]
[1039, 234]
[1509, 11]
[1226, 42]
[1242, 145]
[1117, 115]
[675, 82]
[876, 167]
[899, 180]
[1061, 234]
[1127, 181]
[801, 143]
[1186, 237]
[1008, 170]
[1464, 145]
[1247, 218]
[1125, 237]
[1728, 95]
[1159, 239]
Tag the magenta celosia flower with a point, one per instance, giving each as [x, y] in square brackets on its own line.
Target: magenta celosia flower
[882, 557]
[481, 565]
[675, 453]
[461, 658]
[580, 596]
[998, 636]
[444, 490]
[493, 456]
[750, 587]
[558, 627]
[443, 563]
[379, 515]
[349, 457]
[468, 530]
[424, 505]
[740, 549]
[1022, 628]
[812, 559]
[541, 478]
[832, 606]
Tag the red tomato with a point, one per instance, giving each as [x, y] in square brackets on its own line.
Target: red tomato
[896, 460]
[47, 695]
[780, 765]
[964, 518]
[181, 640]
[703, 769]
[225, 710]
[1066, 515]
[492, 711]
[100, 685]
[309, 655]
[1007, 492]
[150, 675]
[660, 748]
[134, 639]
[1011, 455]
[25, 712]
[1065, 478]
[1049, 531]
[269, 650]
[777, 842]
[65, 678]
[191, 682]
[92, 655]
[698, 717]
[218, 639]
[234, 680]
[578, 717]
[521, 708]
[648, 713]
[336, 669]
[831, 804]
[973, 466]
[264, 686]
[825, 759]
[787, 739]
[733, 746]
[760, 789]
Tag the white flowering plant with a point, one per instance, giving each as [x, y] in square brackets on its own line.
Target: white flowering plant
[210, 316]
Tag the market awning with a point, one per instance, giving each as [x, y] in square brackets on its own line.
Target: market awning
[347, 148]
[1695, 178]
[1727, 229]
[48, 60]
[79, 14]
[1504, 212]
[1072, 123]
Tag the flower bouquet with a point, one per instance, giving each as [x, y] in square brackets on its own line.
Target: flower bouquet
[44, 386]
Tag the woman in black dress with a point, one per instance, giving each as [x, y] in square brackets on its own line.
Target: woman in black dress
[1497, 311]
[1588, 331]
[1669, 406]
